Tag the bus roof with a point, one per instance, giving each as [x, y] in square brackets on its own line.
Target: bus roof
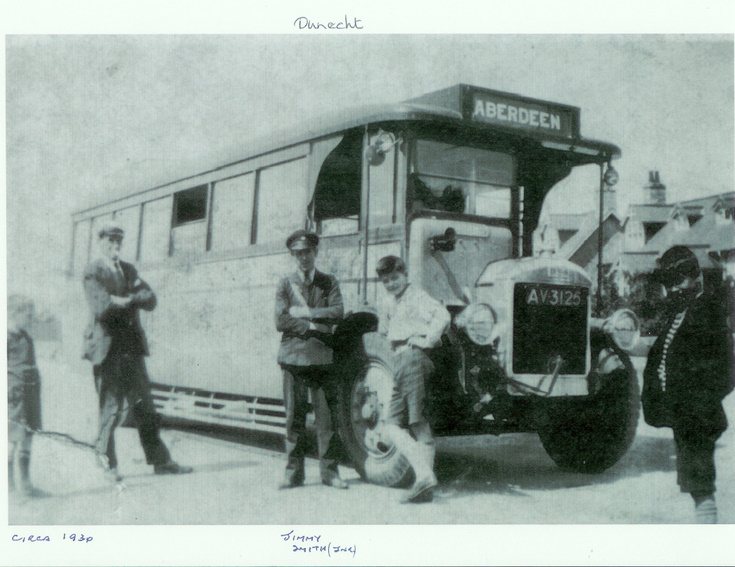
[552, 125]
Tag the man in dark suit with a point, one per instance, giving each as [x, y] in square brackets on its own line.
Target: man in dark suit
[688, 373]
[308, 304]
[115, 344]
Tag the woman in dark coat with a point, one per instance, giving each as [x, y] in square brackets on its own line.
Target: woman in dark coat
[688, 373]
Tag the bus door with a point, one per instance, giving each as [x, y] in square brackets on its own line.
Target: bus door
[357, 200]
[383, 203]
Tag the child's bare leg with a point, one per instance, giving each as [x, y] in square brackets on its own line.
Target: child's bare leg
[12, 448]
[24, 464]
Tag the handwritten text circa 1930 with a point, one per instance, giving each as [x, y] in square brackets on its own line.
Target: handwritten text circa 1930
[316, 543]
[80, 538]
[304, 23]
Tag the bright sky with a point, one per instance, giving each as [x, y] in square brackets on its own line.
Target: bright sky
[91, 116]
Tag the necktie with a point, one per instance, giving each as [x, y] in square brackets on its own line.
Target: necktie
[306, 289]
[118, 269]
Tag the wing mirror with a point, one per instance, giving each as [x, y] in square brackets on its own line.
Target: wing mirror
[384, 142]
[444, 242]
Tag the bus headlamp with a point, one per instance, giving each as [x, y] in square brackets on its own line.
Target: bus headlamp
[478, 321]
[624, 327]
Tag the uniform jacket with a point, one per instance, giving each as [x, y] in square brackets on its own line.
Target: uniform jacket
[699, 371]
[299, 345]
[115, 329]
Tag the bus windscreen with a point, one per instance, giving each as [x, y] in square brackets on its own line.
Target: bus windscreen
[461, 179]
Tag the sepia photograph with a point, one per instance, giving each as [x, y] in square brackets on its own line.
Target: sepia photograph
[326, 284]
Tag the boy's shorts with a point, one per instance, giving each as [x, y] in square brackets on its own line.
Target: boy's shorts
[412, 366]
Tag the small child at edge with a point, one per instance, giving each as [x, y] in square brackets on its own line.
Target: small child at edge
[24, 389]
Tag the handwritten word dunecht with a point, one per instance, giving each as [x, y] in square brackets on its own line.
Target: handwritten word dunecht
[304, 23]
[329, 548]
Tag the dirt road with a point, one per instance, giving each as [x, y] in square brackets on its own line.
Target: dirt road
[485, 482]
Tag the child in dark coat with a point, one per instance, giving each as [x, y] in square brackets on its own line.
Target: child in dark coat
[688, 373]
[24, 393]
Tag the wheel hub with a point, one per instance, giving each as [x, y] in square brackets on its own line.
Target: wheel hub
[371, 395]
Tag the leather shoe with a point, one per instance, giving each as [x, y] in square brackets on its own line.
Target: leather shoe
[422, 491]
[292, 478]
[171, 468]
[112, 475]
[336, 482]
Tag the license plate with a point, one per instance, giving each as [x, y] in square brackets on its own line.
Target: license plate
[554, 296]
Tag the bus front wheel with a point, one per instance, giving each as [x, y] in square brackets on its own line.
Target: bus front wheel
[367, 381]
[591, 435]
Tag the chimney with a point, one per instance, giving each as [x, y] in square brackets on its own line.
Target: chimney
[655, 189]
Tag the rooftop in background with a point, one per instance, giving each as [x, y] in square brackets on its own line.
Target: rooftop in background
[646, 230]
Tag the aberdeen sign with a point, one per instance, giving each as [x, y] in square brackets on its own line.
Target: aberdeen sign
[527, 114]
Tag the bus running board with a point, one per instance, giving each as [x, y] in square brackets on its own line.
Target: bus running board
[229, 410]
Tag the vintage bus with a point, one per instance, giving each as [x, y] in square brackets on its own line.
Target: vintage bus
[454, 182]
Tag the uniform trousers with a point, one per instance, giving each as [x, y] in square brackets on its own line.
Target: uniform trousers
[298, 381]
[122, 382]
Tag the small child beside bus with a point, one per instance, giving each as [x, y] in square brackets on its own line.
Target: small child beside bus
[24, 393]
[414, 322]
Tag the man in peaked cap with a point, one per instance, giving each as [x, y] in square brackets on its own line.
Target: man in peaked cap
[115, 344]
[308, 304]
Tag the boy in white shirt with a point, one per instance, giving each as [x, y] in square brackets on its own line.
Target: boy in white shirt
[413, 323]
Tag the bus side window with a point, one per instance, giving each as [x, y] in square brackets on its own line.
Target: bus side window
[188, 223]
[155, 230]
[232, 212]
[280, 201]
[337, 192]
[383, 201]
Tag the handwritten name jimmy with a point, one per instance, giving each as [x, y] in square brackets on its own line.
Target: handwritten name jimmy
[304, 23]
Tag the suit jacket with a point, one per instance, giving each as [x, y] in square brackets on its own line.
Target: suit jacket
[115, 329]
[699, 371]
[299, 345]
